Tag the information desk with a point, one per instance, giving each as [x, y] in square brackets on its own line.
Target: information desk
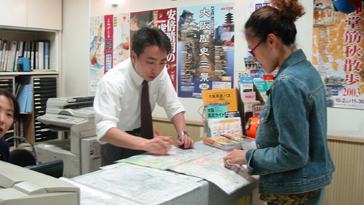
[209, 193]
[95, 188]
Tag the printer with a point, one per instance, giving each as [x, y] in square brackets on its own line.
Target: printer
[80, 152]
[19, 185]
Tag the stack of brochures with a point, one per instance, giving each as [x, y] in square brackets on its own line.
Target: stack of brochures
[236, 137]
[222, 143]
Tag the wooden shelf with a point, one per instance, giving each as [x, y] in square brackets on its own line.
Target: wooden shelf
[46, 72]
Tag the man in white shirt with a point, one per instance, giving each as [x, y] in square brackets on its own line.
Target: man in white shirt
[118, 98]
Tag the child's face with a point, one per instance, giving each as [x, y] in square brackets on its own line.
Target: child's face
[6, 114]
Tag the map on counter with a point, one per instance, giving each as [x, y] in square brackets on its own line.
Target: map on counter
[92, 196]
[167, 172]
[212, 168]
[206, 165]
[175, 156]
[138, 184]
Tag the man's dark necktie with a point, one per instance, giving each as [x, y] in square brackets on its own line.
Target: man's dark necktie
[146, 113]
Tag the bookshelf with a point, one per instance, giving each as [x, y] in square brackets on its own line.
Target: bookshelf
[43, 88]
[33, 20]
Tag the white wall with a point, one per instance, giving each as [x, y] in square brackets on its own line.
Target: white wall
[75, 47]
[75, 59]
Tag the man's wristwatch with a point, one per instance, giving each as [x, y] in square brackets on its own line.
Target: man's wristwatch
[183, 133]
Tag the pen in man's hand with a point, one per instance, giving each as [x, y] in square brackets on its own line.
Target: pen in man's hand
[159, 134]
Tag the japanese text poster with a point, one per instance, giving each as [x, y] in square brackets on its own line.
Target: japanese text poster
[205, 48]
[164, 19]
[96, 51]
[250, 64]
[109, 45]
[338, 54]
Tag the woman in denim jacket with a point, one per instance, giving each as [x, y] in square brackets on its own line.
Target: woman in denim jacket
[292, 156]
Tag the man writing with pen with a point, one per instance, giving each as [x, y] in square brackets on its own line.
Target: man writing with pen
[119, 105]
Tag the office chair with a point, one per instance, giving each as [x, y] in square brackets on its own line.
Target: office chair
[28, 159]
[22, 157]
[53, 168]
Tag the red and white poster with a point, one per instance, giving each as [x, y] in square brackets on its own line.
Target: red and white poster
[164, 19]
[109, 45]
[109, 36]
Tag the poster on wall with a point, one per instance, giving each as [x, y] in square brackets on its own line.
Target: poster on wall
[96, 51]
[205, 48]
[338, 54]
[164, 19]
[248, 59]
[109, 37]
[121, 49]
[109, 45]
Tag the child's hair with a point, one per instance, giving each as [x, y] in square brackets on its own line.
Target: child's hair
[10, 96]
[279, 21]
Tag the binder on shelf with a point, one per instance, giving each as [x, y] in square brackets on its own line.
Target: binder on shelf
[12, 63]
[32, 55]
[29, 103]
[22, 98]
[26, 52]
[25, 98]
[19, 53]
[36, 56]
[46, 55]
[3, 53]
[23, 64]
[40, 59]
[7, 56]
[17, 88]
[41, 54]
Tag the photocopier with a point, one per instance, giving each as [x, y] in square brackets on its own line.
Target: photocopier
[19, 185]
[80, 151]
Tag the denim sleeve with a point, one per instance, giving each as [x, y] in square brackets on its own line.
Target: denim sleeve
[284, 139]
[248, 157]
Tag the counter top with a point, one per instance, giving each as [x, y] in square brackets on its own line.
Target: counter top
[156, 186]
